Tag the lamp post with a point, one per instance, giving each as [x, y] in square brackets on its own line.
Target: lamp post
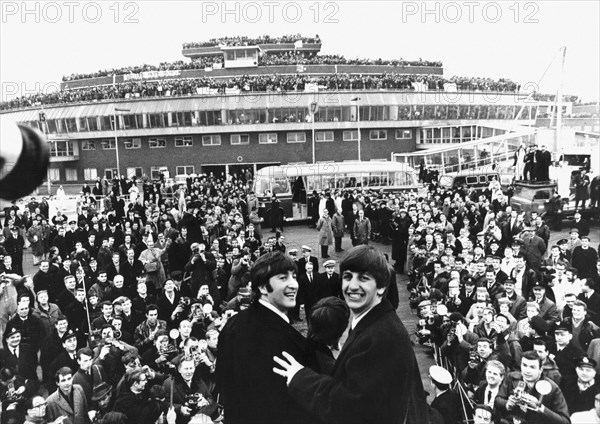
[357, 100]
[116, 139]
[314, 107]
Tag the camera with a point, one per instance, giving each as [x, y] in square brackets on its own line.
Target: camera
[195, 401]
[185, 301]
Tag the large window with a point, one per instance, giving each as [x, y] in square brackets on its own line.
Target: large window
[403, 134]
[324, 136]
[269, 138]
[110, 173]
[186, 141]
[378, 135]
[135, 172]
[157, 143]
[237, 139]
[350, 135]
[184, 170]
[181, 119]
[71, 174]
[54, 174]
[155, 171]
[88, 145]
[296, 137]
[211, 140]
[108, 144]
[132, 143]
[62, 148]
[90, 174]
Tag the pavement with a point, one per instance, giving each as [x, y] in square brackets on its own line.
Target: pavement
[298, 235]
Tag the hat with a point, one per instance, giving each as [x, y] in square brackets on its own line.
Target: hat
[510, 281]
[13, 228]
[584, 361]
[562, 326]
[538, 284]
[562, 241]
[330, 262]
[424, 303]
[307, 248]
[484, 407]
[101, 390]
[470, 280]
[440, 375]
[528, 228]
[11, 331]
[481, 233]
[68, 335]
[538, 324]
[293, 251]
[574, 230]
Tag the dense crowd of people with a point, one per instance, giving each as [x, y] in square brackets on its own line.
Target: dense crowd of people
[248, 41]
[308, 58]
[260, 83]
[89, 337]
[267, 59]
[200, 63]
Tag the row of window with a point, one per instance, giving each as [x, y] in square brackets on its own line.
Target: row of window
[91, 174]
[241, 139]
[283, 115]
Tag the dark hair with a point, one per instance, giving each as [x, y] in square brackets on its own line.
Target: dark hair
[328, 320]
[151, 307]
[365, 259]
[62, 372]
[540, 342]
[532, 356]
[85, 351]
[114, 418]
[269, 265]
[129, 357]
[105, 303]
[485, 340]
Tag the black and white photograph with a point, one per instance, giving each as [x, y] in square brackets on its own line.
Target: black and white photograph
[299, 212]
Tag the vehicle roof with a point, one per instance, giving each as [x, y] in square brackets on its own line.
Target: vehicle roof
[295, 170]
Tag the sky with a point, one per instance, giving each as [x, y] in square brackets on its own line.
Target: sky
[42, 41]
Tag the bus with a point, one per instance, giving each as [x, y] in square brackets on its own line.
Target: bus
[294, 183]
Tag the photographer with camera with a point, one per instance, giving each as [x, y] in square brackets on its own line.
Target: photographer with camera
[191, 397]
[474, 373]
[159, 356]
[523, 399]
[109, 353]
[459, 341]
[201, 266]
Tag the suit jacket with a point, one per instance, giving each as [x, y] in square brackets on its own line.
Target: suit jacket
[25, 365]
[549, 312]
[58, 406]
[302, 265]
[250, 391]
[374, 376]
[448, 404]
[567, 358]
[130, 272]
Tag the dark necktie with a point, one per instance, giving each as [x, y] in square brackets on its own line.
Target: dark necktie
[488, 397]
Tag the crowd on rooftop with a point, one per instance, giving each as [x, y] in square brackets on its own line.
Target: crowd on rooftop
[261, 83]
[249, 41]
